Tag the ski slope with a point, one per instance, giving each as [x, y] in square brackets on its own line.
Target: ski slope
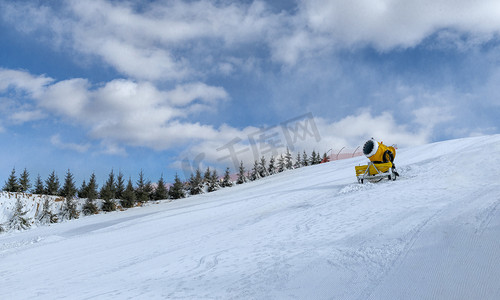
[310, 233]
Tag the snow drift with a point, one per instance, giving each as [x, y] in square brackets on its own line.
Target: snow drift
[310, 233]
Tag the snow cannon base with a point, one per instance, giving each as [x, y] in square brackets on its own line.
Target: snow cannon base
[376, 171]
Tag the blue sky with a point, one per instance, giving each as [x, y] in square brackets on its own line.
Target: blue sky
[129, 85]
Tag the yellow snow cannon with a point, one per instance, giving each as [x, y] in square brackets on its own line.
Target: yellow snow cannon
[381, 163]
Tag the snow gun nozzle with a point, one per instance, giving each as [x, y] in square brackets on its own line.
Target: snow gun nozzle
[368, 147]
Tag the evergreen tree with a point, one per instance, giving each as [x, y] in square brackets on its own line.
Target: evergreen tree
[281, 164]
[128, 198]
[305, 159]
[325, 157]
[120, 185]
[82, 192]
[47, 216]
[160, 191]
[24, 182]
[298, 161]
[92, 188]
[207, 176]
[254, 175]
[272, 168]
[213, 183]
[18, 221]
[140, 193]
[52, 184]
[90, 208]
[288, 160]
[11, 185]
[226, 182]
[68, 190]
[195, 183]
[108, 191]
[149, 190]
[262, 167]
[39, 189]
[176, 191]
[108, 205]
[241, 174]
[69, 210]
[315, 158]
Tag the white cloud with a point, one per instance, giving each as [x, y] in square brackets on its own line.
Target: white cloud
[187, 93]
[23, 81]
[166, 40]
[56, 141]
[67, 97]
[120, 111]
[23, 116]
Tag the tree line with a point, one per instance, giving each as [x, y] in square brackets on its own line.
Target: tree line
[117, 189]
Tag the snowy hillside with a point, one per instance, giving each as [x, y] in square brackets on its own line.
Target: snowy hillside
[310, 233]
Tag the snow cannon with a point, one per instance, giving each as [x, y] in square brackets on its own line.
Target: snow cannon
[378, 152]
[381, 164]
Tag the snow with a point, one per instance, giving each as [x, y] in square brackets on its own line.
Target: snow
[310, 233]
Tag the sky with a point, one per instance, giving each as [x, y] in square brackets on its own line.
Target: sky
[169, 86]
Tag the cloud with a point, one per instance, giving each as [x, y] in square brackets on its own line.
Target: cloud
[23, 81]
[391, 24]
[23, 116]
[187, 93]
[120, 111]
[168, 40]
[56, 141]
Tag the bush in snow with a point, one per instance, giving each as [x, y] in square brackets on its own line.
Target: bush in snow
[69, 210]
[47, 216]
[18, 220]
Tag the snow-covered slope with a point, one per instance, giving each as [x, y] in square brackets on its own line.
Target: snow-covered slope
[310, 233]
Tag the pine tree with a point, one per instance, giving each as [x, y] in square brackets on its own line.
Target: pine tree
[195, 183]
[92, 188]
[18, 221]
[325, 157]
[47, 216]
[140, 193]
[206, 176]
[226, 182]
[262, 167]
[161, 192]
[241, 174]
[281, 164]
[176, 191]
[254, 174]
[315, 158]
[305, 159]
[82, 192]
[108, 191]
[68, 190]
[149, 190]
[24, 182]
[128, 198]
[120, 185]
[298, 161]
[288, 160]
[39, 189]
[272, 168]
[11, 185]
[52, 184]
[69, 210]
[213, 183]
[90, 208]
